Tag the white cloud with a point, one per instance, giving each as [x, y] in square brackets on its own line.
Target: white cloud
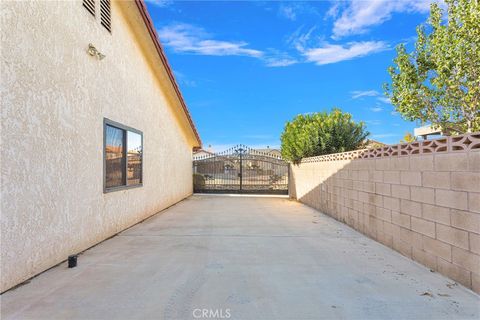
[384, 100]
[376, 109]
[370, 93]
[356, 17]
[332, 53]
[190, 39]
[385, 135]
[279, 62]
[160, 3]
[183, 79]
[374, 122]
[275, 58]
[186, 38]
[292, 10]
[359, 94]
[333, 11]
[288, 12]
[299, 39]
[314, 49]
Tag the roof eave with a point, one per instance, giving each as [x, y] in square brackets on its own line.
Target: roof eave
[153, 34]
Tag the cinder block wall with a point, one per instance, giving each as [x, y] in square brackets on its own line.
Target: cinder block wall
[420, 199]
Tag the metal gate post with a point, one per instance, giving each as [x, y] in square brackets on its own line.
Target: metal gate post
[241, 170]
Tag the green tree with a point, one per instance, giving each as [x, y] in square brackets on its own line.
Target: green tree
[439, 82]
[408, 137]
[321, 133]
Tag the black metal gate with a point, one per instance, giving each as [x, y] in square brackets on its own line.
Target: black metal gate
[240, 170]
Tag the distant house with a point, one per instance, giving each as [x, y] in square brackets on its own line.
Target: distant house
[211, 165]
[95, 133]
[372, 144]
[257, 160]
[202, 153]
[270, 151]
[427, 131]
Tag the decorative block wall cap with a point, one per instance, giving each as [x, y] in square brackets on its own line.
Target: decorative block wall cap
[461, 143]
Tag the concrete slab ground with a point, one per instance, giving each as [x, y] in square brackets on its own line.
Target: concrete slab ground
[240, 258]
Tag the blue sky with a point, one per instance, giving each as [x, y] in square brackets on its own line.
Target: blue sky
[245, 68]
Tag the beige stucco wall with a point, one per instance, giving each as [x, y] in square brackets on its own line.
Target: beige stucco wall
[425, 206]
[54, 100]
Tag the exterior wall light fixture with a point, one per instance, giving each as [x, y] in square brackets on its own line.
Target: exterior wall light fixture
[94, 52]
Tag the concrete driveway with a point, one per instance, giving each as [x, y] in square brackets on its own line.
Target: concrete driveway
[240, 258]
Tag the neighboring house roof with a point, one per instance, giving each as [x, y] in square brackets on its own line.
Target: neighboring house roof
[270, 151]
[374, 143]
[202, 152]
[426, 131]
[153, 34]
[371, 144]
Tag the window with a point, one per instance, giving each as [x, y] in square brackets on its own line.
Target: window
[123, 153]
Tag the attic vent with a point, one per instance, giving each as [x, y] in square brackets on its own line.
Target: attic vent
[105, 14]
[90, 6]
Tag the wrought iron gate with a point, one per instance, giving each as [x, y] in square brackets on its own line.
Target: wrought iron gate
[240, 170]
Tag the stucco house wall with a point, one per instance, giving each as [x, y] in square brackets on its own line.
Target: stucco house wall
[54, 100]
[421, 199]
